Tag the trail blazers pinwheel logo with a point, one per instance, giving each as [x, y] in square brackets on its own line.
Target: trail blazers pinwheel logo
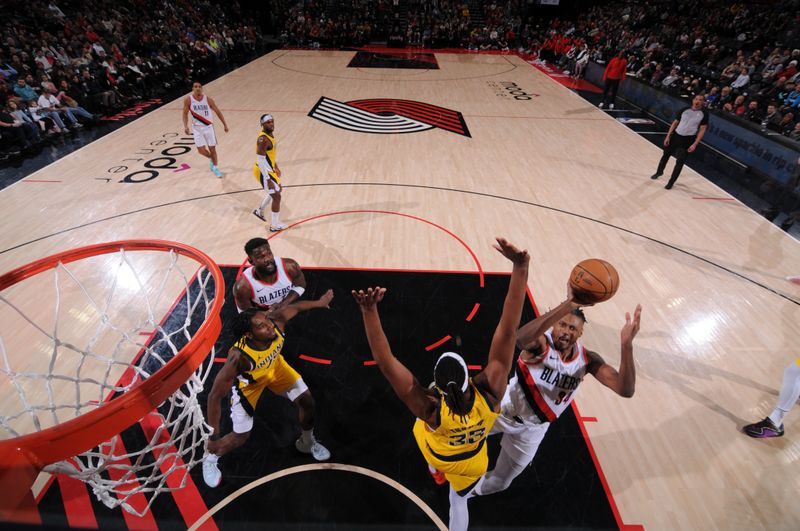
[388, 116]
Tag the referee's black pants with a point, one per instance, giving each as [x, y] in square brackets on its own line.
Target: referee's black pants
[678, 146]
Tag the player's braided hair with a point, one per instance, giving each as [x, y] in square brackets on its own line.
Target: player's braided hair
[242, 324]
[450, 377]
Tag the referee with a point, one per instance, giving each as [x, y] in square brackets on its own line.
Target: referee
[684, 135]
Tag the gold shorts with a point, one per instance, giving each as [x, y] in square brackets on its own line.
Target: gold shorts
[279, 379]
[462, 474]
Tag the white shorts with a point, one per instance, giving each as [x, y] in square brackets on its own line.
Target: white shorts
[243, 422]
[269, 184]
[520, 440]
[204, 135]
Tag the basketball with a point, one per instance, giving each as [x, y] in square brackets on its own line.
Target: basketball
[593, 280]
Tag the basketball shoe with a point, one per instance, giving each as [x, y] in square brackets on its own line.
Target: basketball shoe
[764, 429]
[257, 213]
[279, 227]
[437, 475]
[211, 474]
[317, 451]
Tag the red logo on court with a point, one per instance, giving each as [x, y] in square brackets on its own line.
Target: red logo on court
[388, 116]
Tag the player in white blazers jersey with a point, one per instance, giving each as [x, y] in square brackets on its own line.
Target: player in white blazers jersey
[199, 106]
[549, 370]
[270, 282]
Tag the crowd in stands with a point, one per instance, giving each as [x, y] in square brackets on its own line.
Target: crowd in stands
[66, 63]
[449, 24]
[442, 24]
[309, 24]
[744, 58]
[502, 29]
[419, 23]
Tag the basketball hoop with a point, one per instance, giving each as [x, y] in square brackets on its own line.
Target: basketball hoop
[56, 373]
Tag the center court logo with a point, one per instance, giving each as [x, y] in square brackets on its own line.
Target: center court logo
[388, 116]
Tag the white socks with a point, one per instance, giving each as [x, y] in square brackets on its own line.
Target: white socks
[276, 219]
[777, 417]
[790, 392]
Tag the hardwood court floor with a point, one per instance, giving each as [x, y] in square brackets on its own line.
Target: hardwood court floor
[551, 173]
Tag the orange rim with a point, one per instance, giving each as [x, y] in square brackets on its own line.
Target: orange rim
[81, 433]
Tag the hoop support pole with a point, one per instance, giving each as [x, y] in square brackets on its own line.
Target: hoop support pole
[18, 504]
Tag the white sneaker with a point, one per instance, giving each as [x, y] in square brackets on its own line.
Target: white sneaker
[600, 106]
[279, 227]
[611, 106]
[211, 474]
[319, 452]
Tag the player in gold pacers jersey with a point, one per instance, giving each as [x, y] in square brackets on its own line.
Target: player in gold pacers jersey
[454, 418]
[255, 363]
[268, 174]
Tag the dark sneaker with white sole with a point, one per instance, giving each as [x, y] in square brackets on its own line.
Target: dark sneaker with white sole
[764, 429]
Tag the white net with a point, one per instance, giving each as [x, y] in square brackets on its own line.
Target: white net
[84, 333]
